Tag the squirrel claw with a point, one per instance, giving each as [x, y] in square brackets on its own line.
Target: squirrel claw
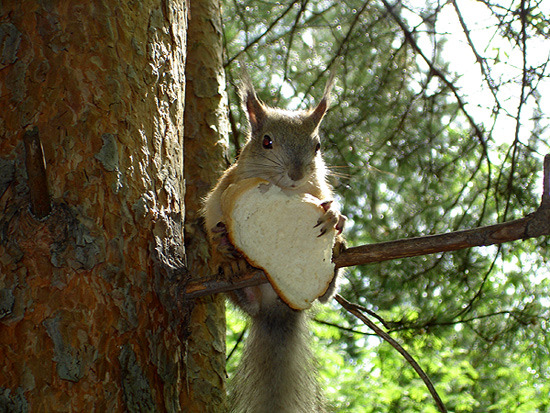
[219, 228]
[326, 205]
[233, 269]
[330, 219]
[226, 249]
[340, 224]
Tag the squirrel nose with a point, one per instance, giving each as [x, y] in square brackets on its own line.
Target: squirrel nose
[296, 173]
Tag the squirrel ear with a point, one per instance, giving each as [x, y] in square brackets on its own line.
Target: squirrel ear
[317, 114]
[251, 104]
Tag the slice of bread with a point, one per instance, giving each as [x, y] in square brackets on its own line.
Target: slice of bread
[274, 230]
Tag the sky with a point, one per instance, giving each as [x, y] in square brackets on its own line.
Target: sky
[484, 33]
[505, 61]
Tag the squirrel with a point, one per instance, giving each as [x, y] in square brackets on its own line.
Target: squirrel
[277, 370]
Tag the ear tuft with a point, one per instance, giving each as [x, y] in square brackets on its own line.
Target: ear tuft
[253, 107]
[317, 114]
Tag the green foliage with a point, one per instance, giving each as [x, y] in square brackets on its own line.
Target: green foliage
[410, 157]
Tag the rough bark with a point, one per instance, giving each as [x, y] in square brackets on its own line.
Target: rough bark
[205, 142]
[86, 320]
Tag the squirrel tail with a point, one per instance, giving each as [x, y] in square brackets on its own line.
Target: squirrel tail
[277, 370]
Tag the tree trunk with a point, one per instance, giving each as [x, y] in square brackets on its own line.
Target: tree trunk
[205, 141]
[86, 319]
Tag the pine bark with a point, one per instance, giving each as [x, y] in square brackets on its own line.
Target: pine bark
[87, 322]
[205, 143]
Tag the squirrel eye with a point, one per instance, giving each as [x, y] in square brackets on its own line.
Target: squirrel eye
[267, 143]
[317, 147]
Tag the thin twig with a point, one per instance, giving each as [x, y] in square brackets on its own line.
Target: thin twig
[409, 37]
[522, 98]
[479, 59]
[342, 328]
[434, 70]
[291, 36]
[261, 36]
[340, 49]
[356, 311]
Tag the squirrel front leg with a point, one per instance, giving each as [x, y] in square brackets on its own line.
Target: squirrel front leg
[224, 258]
[337, 249]
[332, 218]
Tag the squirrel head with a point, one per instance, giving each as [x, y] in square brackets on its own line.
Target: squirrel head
[283, 145]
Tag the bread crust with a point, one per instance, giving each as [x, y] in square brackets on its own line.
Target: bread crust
[317, 282]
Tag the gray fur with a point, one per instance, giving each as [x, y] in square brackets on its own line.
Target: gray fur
[277, 371]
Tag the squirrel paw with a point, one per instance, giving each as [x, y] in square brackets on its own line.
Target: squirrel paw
[330, 219]
[226, 259]
[234, 268]
[221, 243]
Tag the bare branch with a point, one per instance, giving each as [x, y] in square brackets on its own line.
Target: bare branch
[216, 284]
[533, 225]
